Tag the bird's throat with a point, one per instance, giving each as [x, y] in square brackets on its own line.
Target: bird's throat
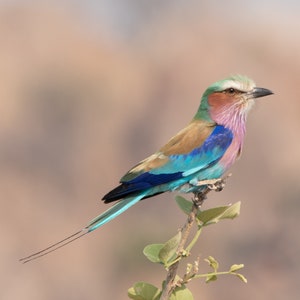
[233, 118]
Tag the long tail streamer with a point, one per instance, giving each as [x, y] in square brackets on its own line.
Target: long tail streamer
[55, 246]
[97, 222]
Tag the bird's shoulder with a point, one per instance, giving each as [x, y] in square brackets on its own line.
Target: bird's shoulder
[189, 138]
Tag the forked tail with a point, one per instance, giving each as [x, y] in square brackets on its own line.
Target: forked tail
[97, 222]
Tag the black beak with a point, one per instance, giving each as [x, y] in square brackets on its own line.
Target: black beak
[260, 92]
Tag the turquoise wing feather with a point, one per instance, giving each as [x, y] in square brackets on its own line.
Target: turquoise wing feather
[172, 167]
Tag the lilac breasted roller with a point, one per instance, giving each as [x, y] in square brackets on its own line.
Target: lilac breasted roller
[204, 149]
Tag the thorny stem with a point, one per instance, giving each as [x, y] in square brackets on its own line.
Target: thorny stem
[215, 184]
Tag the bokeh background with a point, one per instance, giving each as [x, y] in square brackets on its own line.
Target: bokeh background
[89, 88]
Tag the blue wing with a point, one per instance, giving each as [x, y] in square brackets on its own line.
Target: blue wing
[161, 169]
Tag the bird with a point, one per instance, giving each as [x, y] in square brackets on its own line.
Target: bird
[205, 149]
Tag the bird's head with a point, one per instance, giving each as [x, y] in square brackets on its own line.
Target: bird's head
[229, 100]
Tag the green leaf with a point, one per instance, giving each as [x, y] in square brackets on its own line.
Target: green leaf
[184, 205]
[212, 263]
[152, 252]
[232, 211]
[242, 277]
[181, 293]
[144, 291]
[235, 268]
[169, 249]
[210, 278]
[214, 215]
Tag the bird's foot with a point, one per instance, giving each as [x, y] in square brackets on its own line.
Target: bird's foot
[217, 186]
[208, 185]
[214, 184]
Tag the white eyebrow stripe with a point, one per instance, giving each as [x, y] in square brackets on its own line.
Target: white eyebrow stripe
[241, 86]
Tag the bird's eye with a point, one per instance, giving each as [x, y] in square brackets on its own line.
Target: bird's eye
[230, 91]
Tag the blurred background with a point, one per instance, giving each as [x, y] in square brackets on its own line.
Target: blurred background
[89, 88]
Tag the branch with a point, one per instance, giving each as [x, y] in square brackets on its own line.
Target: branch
[214, 184]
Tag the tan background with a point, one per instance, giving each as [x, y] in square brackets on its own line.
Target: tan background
[89, 88]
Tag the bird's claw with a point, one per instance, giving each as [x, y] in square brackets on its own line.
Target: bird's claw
[214, 184]
[210, 185]
[217, 186]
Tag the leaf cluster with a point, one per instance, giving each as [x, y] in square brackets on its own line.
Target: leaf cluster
[167, 254]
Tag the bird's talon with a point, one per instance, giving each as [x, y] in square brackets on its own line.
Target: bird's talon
[217, 186]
